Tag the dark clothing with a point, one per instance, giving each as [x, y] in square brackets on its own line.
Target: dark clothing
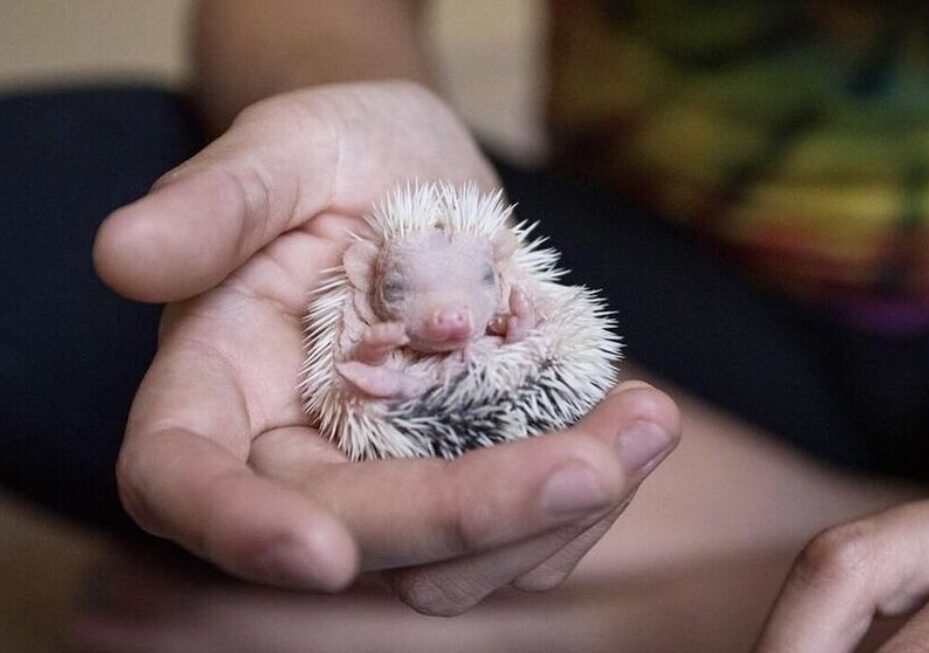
[72, 353]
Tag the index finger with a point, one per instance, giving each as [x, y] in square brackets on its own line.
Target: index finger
[848, 575]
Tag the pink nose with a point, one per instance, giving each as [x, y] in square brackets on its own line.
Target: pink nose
[449, 324]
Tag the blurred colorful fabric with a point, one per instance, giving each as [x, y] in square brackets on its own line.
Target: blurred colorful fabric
[792, 135]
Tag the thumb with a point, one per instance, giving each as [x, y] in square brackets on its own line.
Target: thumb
[647, 421]
[205, 218]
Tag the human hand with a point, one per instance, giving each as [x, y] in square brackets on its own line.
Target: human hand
[850, 575]
[218, 454]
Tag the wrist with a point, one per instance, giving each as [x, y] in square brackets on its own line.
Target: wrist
[245, 54]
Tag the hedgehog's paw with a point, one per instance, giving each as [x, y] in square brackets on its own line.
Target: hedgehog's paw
[380, 381]
[378, 341]
[522, 318]
[498, 324]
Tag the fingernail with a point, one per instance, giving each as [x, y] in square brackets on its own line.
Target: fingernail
[640, 444]
[572, 491]
[626, 386]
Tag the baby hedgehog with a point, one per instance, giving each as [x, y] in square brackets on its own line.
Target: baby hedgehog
[445, 329]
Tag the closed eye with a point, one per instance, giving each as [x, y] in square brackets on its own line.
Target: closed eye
[392, 290]
[490, 277]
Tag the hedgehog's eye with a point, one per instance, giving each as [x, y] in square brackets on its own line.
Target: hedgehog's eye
[392, 290]
[490, 277]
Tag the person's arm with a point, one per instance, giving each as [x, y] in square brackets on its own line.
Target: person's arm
[246, 51]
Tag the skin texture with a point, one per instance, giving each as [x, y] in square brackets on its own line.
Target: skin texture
[850, 576]
[437, 293]
[443, 290]
[218, 456]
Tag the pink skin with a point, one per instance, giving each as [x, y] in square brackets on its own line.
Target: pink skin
[515, 325]
[378, 341]
[436, 294]
[442, 289]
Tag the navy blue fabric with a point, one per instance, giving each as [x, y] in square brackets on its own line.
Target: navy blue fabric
[850, 397]
[72, 352]
[686, 316]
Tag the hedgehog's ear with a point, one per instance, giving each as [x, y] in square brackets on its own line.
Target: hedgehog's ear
[505, 244]
[358, 262]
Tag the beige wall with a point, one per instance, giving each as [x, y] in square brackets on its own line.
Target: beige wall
[489, 52]
[52, 40]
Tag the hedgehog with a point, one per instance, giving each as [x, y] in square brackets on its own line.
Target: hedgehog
[445, 329]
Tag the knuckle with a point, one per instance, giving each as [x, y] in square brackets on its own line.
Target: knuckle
[468, 524]
[600, 458]
[839, 555]
[241, 189]
[248, 186]
[429, 594]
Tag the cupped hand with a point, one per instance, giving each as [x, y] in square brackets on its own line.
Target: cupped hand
[850, 576]
[218, 455]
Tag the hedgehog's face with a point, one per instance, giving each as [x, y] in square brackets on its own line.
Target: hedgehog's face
[443, 289]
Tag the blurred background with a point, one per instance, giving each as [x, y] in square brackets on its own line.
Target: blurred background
[490, 54]
[487, 49]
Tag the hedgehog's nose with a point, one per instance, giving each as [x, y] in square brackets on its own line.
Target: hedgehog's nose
[450, 324]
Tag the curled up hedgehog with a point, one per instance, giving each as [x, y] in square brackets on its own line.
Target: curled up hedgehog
[445, 329]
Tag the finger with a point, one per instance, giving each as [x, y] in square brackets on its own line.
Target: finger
[845, 577]
[553, 571]
[649, 410]
[913, 637]
[283, 161]
[205, 218]
[543, 562]
[182, 475]
[412, 512]
[182, 486]
[407, 512]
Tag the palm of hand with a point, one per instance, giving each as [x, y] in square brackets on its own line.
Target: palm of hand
[251, 322]
[218, 453]
[251, 327]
